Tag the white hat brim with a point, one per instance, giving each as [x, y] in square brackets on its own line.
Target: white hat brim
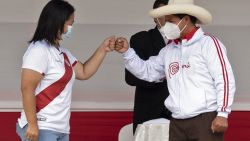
[203, 16]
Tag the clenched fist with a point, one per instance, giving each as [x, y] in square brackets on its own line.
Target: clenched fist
[121, 45]
[108, 44]
[219, 124]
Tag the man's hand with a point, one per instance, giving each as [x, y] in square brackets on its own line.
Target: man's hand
[219, 124]
[121, 45]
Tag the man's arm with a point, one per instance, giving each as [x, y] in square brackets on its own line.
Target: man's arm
[151, 70]
[222, 73]
[138, 41]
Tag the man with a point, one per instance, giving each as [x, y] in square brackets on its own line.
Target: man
[149, 96]
[200, 78]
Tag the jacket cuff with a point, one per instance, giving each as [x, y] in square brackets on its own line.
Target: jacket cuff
[128, 53]
[223, 114]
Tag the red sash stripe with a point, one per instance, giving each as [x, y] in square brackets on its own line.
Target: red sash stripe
[51, 92]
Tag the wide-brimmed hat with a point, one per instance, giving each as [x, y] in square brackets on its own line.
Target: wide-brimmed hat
[183, 7]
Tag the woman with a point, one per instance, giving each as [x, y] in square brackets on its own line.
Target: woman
[48, 73]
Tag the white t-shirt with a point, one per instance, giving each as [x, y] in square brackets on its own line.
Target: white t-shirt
[53, 93]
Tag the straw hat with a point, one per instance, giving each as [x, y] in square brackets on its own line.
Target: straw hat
[183, 7]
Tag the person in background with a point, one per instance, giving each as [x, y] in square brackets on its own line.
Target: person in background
[199, 75]
[48, 74]
[149, 96]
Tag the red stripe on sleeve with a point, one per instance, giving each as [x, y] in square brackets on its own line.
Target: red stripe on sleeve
[224, 71]
[74, 64]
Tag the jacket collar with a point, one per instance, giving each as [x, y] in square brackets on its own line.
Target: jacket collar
[192, 37]
[190, 34]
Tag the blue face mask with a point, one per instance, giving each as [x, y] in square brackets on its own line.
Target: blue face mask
[68, 33]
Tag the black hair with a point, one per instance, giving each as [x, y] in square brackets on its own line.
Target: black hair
[159, 2]
[51, 21]
[192, 18]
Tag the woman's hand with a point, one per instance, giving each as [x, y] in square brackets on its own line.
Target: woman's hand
[32, 133]
[108, 44]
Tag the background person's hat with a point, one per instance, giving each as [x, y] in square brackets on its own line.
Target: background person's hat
[183, 7]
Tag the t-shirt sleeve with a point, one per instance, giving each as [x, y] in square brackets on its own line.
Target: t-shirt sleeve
[71, 57]
[36, 58]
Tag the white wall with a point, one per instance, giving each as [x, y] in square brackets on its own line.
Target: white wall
[96, 20]
[225, 12]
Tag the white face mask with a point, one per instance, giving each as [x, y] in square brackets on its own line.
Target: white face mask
[171, 31]
[162, 33]
[68, 33]
[161, 29]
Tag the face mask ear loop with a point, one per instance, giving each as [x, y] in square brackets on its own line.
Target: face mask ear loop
[183, 28]
[158, 22]
[180, 22]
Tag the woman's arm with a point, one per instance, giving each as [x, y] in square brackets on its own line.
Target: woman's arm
[85, 70]
[29, 81]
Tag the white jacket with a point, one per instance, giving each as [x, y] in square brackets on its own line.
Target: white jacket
[199, 75]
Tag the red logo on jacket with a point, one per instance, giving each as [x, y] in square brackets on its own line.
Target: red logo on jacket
[173, 68]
